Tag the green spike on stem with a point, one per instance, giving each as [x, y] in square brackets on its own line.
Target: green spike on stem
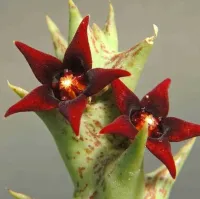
[19, 91]
[60, 44]
[74, 20]
[99, 34]
[133, 60]
[159, 183]
[17, 195]
[125, 177]
[110, 29]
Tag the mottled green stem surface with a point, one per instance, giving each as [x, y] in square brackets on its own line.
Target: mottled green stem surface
[105, 167]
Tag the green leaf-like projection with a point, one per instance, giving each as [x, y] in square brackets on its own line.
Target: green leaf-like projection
[133, 60]
[159, 183]
[89, 156]
[59, 43]
[125, 177]
[75, 19]
[17, 195]
[110, 30]
[19, 91]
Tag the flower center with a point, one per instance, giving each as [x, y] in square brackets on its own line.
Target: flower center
[68, 86]
[139, 118]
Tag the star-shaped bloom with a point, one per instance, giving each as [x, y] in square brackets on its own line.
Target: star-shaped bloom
[153, 109]
[65, 85]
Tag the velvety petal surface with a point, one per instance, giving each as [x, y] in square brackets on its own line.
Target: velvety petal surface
[98, 78]
[40, 99]
[72, 110]
[44, 66]
[78, 56]
[162, 150]
[179, 130]
[121, 126]
[157, 100]
[125, 99]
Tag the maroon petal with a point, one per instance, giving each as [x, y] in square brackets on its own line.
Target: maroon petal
[162, 150]
[120, 126]
[44, 66]
[156, 101]
[98, 78]
[72, 110]
[78, 56]
[179, 130]
[125, 99]
[39, 99]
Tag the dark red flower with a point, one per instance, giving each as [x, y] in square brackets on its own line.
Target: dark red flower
[65, 85]
[153, 109]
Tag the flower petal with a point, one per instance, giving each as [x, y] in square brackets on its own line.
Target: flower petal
[72, 110]
[120, 126]
[162, 150]
[125, 99]
[44, 66]
[39, 99]
[156, 101]
[98, 78]
[179, 130]
[78, 56]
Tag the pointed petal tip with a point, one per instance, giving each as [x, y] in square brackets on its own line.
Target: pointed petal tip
[72, 110]
[39, 99]
[120, 126]
[172, 170]
[20, 45]
[167, 81]
[121, 73]
[86, 19]
[157, 100]
[104, 130]
[7, 114]
[173, 175]
[17, 43]
[125, 73]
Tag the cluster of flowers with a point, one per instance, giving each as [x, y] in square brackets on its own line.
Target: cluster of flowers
[67, 85]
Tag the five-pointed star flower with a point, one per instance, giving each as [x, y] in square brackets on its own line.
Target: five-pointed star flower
[153, 109]
[65, 85]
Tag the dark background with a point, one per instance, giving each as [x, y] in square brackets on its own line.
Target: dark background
[29, 160]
